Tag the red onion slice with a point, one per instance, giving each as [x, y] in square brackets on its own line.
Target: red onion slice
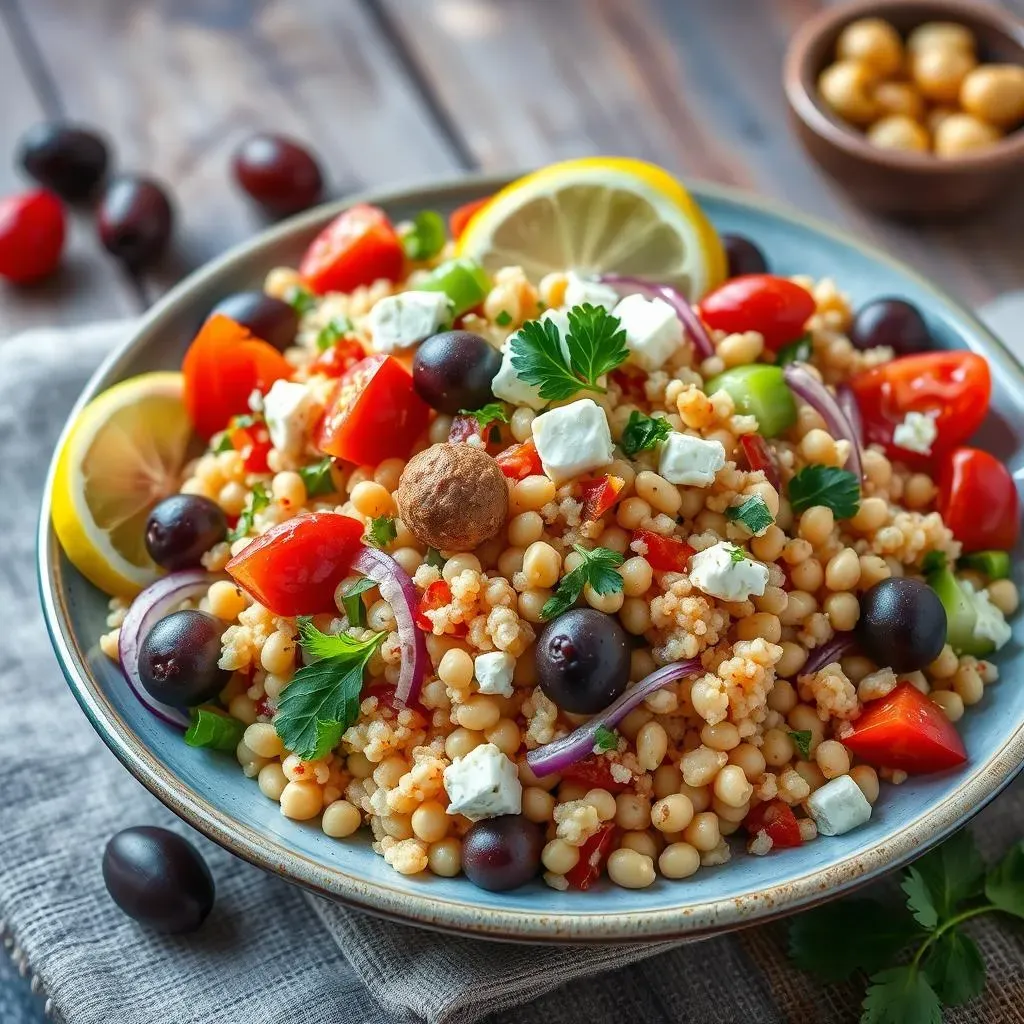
[400, 592]
[807, 387]
[840, 645]
[559, 755]
[848, 403]
[691, 321]
[156, 601]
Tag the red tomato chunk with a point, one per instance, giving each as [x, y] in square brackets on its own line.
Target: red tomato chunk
[599, 495]
[593, 853]
[978, 500]
[357, 248]
[520, 461]
[774, 306]
[778, 821]
[665, 554]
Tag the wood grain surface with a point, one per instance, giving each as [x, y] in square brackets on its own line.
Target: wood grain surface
[391, 91]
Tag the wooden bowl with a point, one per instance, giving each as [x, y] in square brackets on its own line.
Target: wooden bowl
[905, 184]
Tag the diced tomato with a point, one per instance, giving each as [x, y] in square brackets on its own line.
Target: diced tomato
[295, 567]
[665, 554]
[631, 382]
[594, 772]
[952, 387]
[437, 595]
[463, 215]
[778, 820]
[905, 730]
[373, 413]
[253, 444]
[223, 366]
[978, 500]
[341, 356]
[759, 455]
[593, 853]
[357, 248]
[520, 461]
[774, 306]
[599, 494]
[387, 696]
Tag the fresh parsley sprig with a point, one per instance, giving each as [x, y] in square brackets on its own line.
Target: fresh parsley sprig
[317, 478]
[595, 343]
[798, 351]
[837, 489]
[213, 729]
[599, 568]
[943, 890]
[322, 700]
[301, 299]
[259, 499]
[381, 531]
[605, 739]
[336, 329]
[492, 412]
[802, 741]
[753, 513]
[425, 236]
[352, 601]
[644, 432]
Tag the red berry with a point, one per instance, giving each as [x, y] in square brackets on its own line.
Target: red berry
[31, 235]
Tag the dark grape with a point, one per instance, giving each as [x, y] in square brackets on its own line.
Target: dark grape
[902, 624]
[502, 853]
[182, 528]
[744, 256]
[894, 323]
[178, 659]
[279, 173]
[65, 158]
[268, 318]
[135, 220]
[454, 370]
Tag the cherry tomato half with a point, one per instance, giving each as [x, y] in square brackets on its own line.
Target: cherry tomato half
[373, 413]
[774, 306]
[778, 821]
[295, 567]
[223, 366]
[978, 500]
[954, 387]
[357, 248]
[31, 235]
[599, 494]
[905, 730]
[520, 461]
[461, 217]
[665, 554]
[593, 853]
[594, 772]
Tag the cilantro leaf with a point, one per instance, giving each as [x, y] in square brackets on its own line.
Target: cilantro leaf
[605, 739]
[433, 557]
[1005, 883]
[596, 342]
[490, 413]
[919, 899]
[537, 359]
[504, 318]
[953, 872]
[837, 489]
[798, 351]
[213, 729]
[644, 432]
[259, 499]
[322, 700]
[872, 934]
[955, 968]
[355, 610]
[598, 568]
[753, 514]
[382, 531]
[802, 741]
[302, 300]
[317, 478]
[425, 237]
[336, 329]
[900, 995]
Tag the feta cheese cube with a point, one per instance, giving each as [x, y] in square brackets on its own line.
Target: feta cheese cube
[653, 331]
[401, 321]
[917, 432]
[290, 411]
[493, 672]
[573, 439]
[483, 784]
[989, 624]
[507, 385]
[581, 289]
[838, 806]
[691, 461]
[725, 572]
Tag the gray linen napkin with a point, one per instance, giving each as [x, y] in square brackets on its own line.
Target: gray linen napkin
[263, 956]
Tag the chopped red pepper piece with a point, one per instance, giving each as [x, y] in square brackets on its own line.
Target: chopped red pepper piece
[339, 358]
[759, 455]
[253, 444]
[520, 461]
[437, 595]
[665, 554]
[461, 216]
[778, 821]
[593, 853]
[594, 772]
[599, 494]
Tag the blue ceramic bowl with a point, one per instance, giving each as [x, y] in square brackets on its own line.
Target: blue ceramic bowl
[209, 791]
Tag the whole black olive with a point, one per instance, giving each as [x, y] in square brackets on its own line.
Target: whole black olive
[279, 173]
[65, 158]
[744, 256]
[182, 528]
[894, 323]
[902, 624]
[454, 370]
[502, 853]
[135, 220]
[178, 659]
[268, 318]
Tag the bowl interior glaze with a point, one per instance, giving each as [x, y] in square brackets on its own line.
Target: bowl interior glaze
[209, 791]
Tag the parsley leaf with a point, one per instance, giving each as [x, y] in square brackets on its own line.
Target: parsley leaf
[317, 478]
[901, 995]
[1005, 883]
[425, 237]
[598, 568]
[504, 318]
[302, 300]
[258, 500]
[955, 968]
[953, 872]
[336, 329]
[605, 739]
[595, 344]
[224, 444]
[382, 531]
[322, 700]
[490, 413]
[798, 351]
[737, 554]
[802, 741]
[433, 557]
[753, 514]
[644, 432]
[837, 489]
[919, 899]
[355, 610]
[213, 729]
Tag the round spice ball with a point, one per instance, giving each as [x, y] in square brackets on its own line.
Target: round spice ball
[959, 134]
[873, 41]
[994, 93]
[897, 131]
[453, 497]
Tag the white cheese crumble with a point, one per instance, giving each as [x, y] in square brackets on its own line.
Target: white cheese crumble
[401, 321]
[838, 806]
[690, 461]
[990, 623]
[290, 411]
[581, 289]
[725, 572]
[573, 439]
[507, 385]
[653, 331]
[917, 432]
[493, 672]
[483, 784]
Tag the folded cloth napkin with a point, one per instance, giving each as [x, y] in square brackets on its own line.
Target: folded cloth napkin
[269, 952]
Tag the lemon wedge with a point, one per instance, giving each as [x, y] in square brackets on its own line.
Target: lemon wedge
[599, 215]
[123, 453]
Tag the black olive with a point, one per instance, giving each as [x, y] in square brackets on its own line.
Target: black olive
[744, 256]
[902, 624]
[454, 370]
[135, 220]
[182, 528]
[279, 173]
[65, 158]
[178, 659]
[894, 323]
[502, 853]
[268, 318]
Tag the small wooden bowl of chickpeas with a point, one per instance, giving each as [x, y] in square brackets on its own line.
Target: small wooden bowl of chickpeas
[915, 106]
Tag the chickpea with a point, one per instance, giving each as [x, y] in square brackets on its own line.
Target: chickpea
[846, 87]
[874, 42]
[994, 93]
[939, 73]
[941, 35]
[899, 98]
[960, 134]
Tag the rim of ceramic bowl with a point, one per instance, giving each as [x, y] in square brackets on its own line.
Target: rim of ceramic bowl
[802, 93]
[978, 786]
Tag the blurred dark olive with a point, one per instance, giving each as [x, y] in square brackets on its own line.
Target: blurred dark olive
[182, 528]
[894, 323]
[744, 256]
[902, 624]
[268, 318]
[158, 878]
[453, 370]
[135, 220]
[279, 173]
[65, 158]
[178, 659]
[502, 853]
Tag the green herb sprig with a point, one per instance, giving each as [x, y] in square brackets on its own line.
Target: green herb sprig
[837, 489]
[336, 329]
[605, 739]
[492, 412]
[599, 568]
[259, 499]
[753, 513]
[644, 432]
[798, 351]
[352, 602]
[382, 531]
[317, 478]
[213, 729]
[802, 739]
[424, 238]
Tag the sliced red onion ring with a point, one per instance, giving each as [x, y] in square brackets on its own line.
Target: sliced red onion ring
[691, 321]
[848, 403]
[156, 601]
[836, 648]
[806, 386]
[559, 755]
[399, 591]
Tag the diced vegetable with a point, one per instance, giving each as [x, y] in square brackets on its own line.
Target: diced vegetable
[774, 306]
[759, 391]
[464, 282]
[461, 216]
[994, 564]
[593, 853]
[341, 356]
[252, 442]
[520, 461]
[759, 455]
[357, 248]
[425, 237]
[978, 500]
[594, 772]
[599, 495]
[777, 820]
[437, 595]
[665, 554]
[960, 614]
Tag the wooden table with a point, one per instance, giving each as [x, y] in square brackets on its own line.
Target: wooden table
[394, 91]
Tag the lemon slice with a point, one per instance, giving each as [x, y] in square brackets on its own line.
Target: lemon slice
[123, 453]
[599, 215]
